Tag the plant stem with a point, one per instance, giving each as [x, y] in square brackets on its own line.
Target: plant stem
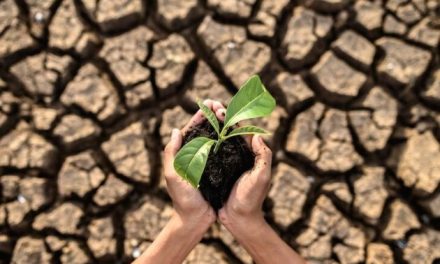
[220, 138]
[217, 145]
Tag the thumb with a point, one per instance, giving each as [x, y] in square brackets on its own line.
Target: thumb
[171, 149]
[263, 155]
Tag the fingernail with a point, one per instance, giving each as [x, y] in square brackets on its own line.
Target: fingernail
[260, 140]
[222, 112]
[206, 102]
[174, 134]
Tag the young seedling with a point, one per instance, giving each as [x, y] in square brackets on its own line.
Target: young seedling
[251, 101]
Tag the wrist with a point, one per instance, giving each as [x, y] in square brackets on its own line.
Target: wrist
[239, 224]
[259, 239]
[195, 224]
[175, 241]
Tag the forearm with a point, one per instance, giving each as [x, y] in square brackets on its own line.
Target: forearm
[174, 242]
[262, 242]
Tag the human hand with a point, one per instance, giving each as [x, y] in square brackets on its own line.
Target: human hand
[193, 215]
[243, 216]
[245, 202]
[188, 202]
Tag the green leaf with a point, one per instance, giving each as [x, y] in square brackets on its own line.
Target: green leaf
[251, 101]
[210, 116]
[247, 130]
[191, 159]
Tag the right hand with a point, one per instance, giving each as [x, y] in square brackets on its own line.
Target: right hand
[243, 217]
[247, 196]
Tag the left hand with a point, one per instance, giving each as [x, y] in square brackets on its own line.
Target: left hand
[188, 202]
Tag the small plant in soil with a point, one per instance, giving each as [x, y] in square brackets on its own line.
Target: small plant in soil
[213, 156]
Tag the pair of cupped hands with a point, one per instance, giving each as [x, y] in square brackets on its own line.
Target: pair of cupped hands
[242, 214]
[244, 204]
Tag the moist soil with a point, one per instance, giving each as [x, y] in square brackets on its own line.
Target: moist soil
[223, 168]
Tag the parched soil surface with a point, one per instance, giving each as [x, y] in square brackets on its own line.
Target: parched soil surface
[90, 90]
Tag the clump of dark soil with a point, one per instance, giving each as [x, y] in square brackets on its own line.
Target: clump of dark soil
[222, 168]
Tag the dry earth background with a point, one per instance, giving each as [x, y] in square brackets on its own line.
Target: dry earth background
[89, 91]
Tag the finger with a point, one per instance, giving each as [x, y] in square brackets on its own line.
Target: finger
[170, 151]
[217, 106]
[221, 113]
[198, 117]
[247, 138]
[219, 110]
[263, 156]
[209, 103]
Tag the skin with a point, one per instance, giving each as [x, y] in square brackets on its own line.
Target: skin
[242, 214]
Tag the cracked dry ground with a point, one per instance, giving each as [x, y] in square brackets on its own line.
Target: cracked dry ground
[89, 91]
